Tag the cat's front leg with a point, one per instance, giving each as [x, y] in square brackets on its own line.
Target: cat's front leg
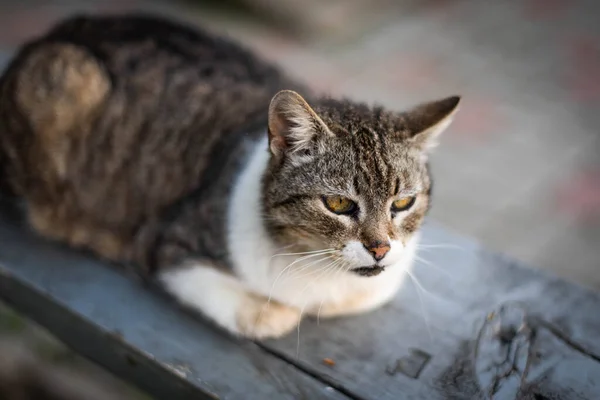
[224, 299]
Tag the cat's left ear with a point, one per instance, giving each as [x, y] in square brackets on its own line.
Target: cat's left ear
[293, 125]
[427, 121]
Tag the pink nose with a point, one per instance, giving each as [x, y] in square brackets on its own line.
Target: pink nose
[378, 249]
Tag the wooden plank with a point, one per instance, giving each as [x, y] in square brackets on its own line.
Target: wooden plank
[388, 354]
[113, 320]
[485, 325]
[439, 339]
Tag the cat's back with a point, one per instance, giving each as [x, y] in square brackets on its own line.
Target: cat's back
[126, 43]
[101, 96]
[179, 66]
[105, 120]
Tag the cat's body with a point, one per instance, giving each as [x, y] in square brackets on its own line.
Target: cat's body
[130, 114]
[146, 142]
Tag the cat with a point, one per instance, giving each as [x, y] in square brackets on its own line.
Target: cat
[180, 153]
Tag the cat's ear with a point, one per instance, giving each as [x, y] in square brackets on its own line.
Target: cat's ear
[292, 124]
[427, 121]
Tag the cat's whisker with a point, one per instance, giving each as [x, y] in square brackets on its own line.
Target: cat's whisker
[430, 264]
[289, 266]
[309, 273]
[342, 268]
[347, 266]
[319, 311]
[305, 266]
[428, 292]
[294, 273]
[299, 259]
[284, 247]
[419, 287]
[321, 272]
[269, 299]
[298, 332]
[304, 252]
[439, 246]
[335, 272]
[325, 269]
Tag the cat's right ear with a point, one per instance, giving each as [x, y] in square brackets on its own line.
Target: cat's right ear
[293, 124]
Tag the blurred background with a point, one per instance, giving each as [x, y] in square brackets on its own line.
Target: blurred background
[518, 171]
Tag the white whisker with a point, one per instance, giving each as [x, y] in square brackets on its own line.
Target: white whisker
[334, 273]
[439, 246]
[304, 267]
[288, 267]
[284, 247]
[304, 252]
[329, 266]
[309, 273]
[430, 264]
[319, 311]
[280, 274]
[419, 287]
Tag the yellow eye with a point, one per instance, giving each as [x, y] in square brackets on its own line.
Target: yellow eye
[339, 204]
[403, 204]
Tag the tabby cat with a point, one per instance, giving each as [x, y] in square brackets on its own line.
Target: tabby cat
[181, 154]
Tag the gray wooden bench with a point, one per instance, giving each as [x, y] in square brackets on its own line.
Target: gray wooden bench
[477, 325]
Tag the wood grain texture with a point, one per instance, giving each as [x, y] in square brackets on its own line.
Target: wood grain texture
[113, 320]
[485, 314]
[458, 333]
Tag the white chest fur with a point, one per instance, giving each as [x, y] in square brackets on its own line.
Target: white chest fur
[299, 281]
[299, 284]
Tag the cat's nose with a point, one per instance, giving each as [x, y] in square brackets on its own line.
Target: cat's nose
[378, 249]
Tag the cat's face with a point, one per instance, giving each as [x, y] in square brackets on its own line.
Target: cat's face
[349, 178]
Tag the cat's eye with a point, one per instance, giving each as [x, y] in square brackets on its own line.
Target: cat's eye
[403, 204]
[339, 204]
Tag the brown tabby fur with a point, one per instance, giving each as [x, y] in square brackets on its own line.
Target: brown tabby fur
[367, 151]
[124, 136]
[106, 121]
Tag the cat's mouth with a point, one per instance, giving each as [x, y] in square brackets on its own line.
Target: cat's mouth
[373, 270]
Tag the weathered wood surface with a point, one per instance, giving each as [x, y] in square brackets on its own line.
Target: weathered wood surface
[439, 344]
[136, 334]
[458, 333]
[477, 325]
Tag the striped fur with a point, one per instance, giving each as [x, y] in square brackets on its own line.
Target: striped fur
[187, 157]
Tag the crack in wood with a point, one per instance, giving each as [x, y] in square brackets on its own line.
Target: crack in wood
[502, 348]
[505, 349]
[327, 380]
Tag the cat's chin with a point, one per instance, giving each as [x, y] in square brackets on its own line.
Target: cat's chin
[373, 270]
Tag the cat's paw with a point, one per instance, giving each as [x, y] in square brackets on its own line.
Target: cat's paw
[259, 320]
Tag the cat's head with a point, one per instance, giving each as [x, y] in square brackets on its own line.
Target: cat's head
[348, 177]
